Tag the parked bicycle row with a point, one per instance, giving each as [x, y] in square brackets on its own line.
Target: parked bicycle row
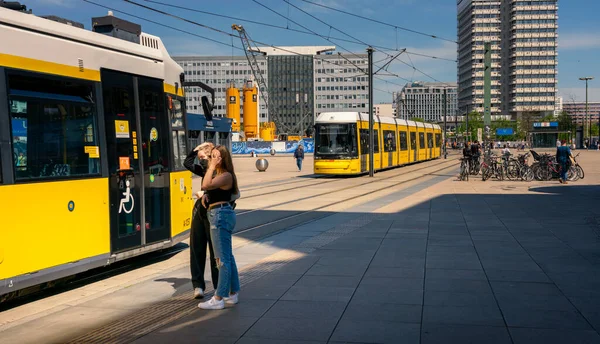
[562, 166]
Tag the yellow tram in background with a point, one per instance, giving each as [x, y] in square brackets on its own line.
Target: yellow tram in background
[342, 143]
[92, 143]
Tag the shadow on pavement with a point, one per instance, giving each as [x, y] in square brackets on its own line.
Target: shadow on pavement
[502, 268]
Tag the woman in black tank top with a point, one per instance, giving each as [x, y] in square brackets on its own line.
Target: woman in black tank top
[221, 216]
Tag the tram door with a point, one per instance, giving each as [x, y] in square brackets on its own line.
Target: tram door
[135, 169]
[413, 145]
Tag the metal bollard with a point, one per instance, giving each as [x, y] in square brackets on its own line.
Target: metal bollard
[272, 151]
[262, 165]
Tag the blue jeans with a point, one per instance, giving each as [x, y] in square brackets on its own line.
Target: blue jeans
[299, 163]
[563, 170]
[222, 223]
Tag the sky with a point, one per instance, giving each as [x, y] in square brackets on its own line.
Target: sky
[578, 52]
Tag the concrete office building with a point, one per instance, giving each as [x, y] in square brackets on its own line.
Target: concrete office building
[385, 109]
[523, 37]
[303, 82]
[425, 100]
[578, 112]
[217, 72]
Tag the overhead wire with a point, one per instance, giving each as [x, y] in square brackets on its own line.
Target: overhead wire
[381, 22]
[353, 41]
[163, 25]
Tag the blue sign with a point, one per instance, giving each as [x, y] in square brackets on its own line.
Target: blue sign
[504, 131]
[19, 127]
[545, 125]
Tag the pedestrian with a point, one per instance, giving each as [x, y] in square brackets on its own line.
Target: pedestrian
[506, 150]
[220, 189]
[200, 231]
[299, 156]
[558, 143]
[563, 157]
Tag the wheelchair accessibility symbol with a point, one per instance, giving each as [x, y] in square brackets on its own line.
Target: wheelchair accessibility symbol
[128, 199]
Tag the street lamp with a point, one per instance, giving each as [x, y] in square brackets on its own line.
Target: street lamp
[586, 107]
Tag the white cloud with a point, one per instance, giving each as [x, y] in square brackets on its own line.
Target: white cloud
[579, 41]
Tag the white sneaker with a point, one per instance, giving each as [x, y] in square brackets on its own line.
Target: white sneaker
[212, 304]
[232, 299]
[198, 293]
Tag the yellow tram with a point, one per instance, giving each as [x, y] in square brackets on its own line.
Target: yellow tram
[342, 143]
[92, 143]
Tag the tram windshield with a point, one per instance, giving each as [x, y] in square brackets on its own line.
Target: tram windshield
[335, 140]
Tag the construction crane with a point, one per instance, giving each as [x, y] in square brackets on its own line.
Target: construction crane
[251, 53]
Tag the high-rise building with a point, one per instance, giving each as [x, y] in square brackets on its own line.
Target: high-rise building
[425, 100]
[217, 72]
[523, 37]
[341, 83]
[302, 82]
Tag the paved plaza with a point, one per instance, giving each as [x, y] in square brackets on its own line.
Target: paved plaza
[428, 260]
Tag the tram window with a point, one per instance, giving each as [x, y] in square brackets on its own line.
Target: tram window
[429, 140]
[421, 140]
[438, 140]
[389, 140]
[336, 139]
[53, 127]
[364, 141]
[175, 109]
[403, 141]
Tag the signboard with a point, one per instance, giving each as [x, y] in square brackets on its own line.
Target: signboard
[479, 134]
[545, 125]
[504, 131]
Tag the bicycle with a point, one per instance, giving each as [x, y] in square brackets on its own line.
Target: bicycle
[464, 169]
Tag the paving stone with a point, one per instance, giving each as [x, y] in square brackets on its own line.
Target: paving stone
[525, 288]
[549, 319]
[297, 267]
[309, 281]
[318, 294]
[453, 264]
[463, 334]
[377, 271]
[511, 299]
[516, 276]
[383, 312]
[337, 270]
[374, 294]
[465, 315]
[456, 274]
[463, 299]
[254, 340]
[553, 336]
[306, 309]
[315, 329]
[457, 285]
[376, 332]
[395, 283]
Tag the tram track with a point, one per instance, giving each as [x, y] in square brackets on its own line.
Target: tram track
[370, 181]
[262, 231]
[253, 232]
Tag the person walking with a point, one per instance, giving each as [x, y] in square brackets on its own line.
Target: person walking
[299, 156]
[200, 231]
[220, 189]
[563, 155]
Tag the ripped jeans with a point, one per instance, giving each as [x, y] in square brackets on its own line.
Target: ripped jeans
[222, 223]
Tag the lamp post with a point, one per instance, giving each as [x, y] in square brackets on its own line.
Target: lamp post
[586, 79]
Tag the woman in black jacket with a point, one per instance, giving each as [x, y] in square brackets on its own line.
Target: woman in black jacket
[200, 233]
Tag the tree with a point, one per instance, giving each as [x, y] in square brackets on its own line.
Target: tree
[503, 123]
[475, 121]
[417, 119]
[565, 123]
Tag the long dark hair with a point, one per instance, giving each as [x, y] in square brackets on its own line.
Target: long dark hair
[227, 165]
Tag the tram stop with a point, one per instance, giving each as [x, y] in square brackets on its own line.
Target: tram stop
[217, 131]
